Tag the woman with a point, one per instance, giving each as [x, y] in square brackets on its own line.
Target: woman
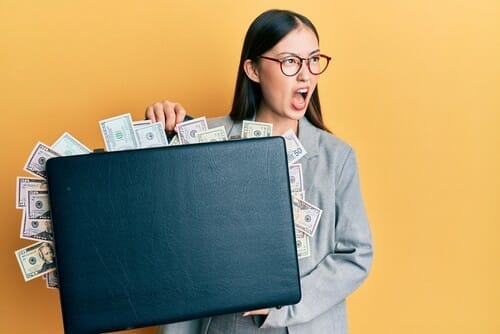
[277, 83]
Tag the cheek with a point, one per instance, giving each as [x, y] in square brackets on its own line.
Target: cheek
[273, 97]
[314, 81]
[275, 88]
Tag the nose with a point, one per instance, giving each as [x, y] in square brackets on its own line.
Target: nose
[304, 73]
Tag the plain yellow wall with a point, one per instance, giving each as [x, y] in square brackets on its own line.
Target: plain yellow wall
[414, 88]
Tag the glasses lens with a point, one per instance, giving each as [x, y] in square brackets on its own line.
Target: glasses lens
[291, 65]
[318, 64]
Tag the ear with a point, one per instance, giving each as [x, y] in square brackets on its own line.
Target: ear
[251, 70]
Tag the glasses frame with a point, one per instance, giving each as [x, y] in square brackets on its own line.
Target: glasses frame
[302, 60]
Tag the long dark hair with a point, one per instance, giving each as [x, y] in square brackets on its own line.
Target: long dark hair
[263, 34]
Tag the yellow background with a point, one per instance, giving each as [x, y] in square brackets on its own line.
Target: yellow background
[413, 87]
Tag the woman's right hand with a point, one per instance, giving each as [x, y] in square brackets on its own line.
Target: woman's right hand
[168, 113]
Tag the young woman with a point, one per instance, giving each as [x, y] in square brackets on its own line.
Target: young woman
[277, 83]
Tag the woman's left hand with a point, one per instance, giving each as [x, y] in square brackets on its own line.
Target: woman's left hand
[264, 311]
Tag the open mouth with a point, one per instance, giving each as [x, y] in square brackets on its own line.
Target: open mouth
[299, 98]
[303, 93]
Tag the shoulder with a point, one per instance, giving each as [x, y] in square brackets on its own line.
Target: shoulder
[324, 144]
[341, 153]
[332, 151]
[333, 141]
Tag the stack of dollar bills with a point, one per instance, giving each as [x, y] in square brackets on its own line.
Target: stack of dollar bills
[32, 197]
[121, 133]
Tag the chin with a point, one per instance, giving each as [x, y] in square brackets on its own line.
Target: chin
[297, 114]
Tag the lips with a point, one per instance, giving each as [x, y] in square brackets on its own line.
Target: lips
[299, 98]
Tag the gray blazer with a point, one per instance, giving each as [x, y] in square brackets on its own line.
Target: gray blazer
[341, 249]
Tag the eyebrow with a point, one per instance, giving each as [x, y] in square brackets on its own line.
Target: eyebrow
[294, 54]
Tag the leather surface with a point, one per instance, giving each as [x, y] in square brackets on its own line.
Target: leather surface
[152, 236]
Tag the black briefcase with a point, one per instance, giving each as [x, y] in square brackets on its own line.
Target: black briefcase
[161, 235]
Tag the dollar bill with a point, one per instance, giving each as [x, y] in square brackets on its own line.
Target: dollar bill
[139, 124]
[23, 184]
[151, 135]
[252, 129]
[215, 134]
[52, 280]
[69, 145]
[38, 158]
[306, 216]
[36, 229]
[299, 194]
[188, 131]
[38, 204]
[296, 178]
[174, 141]
[118, 133]
[36, 260]
[303, 247]
[294, 148]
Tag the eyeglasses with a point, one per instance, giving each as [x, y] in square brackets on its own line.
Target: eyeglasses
[291, 65]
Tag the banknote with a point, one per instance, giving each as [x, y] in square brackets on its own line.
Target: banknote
[151, 135]
[69, 145]
[306, 216]
[294, 148]
[38, 204]
[296, 178]
[251, 129]
[51, 280]
[299, 194]
[23, 184]
[174, 141]
[188, 131]
[38, 158]
[36, 229]
[303, 247]
[215, 134]
[139, 124]
[36, 260]
[118, 133]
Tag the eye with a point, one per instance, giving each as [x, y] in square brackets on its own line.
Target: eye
[290, 61]
[314, 59]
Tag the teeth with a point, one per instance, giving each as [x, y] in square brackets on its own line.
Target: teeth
[303, 92]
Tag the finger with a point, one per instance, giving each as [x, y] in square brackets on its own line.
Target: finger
[180, 113]
[159, 113]
[263, 311]
[169, 112]
[150, 114]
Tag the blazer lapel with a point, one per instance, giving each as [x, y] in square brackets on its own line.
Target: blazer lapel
[309, 137]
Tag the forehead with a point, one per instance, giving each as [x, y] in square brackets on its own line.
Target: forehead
[301, 41]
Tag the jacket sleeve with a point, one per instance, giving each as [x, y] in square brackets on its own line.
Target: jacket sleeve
[342, 271]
